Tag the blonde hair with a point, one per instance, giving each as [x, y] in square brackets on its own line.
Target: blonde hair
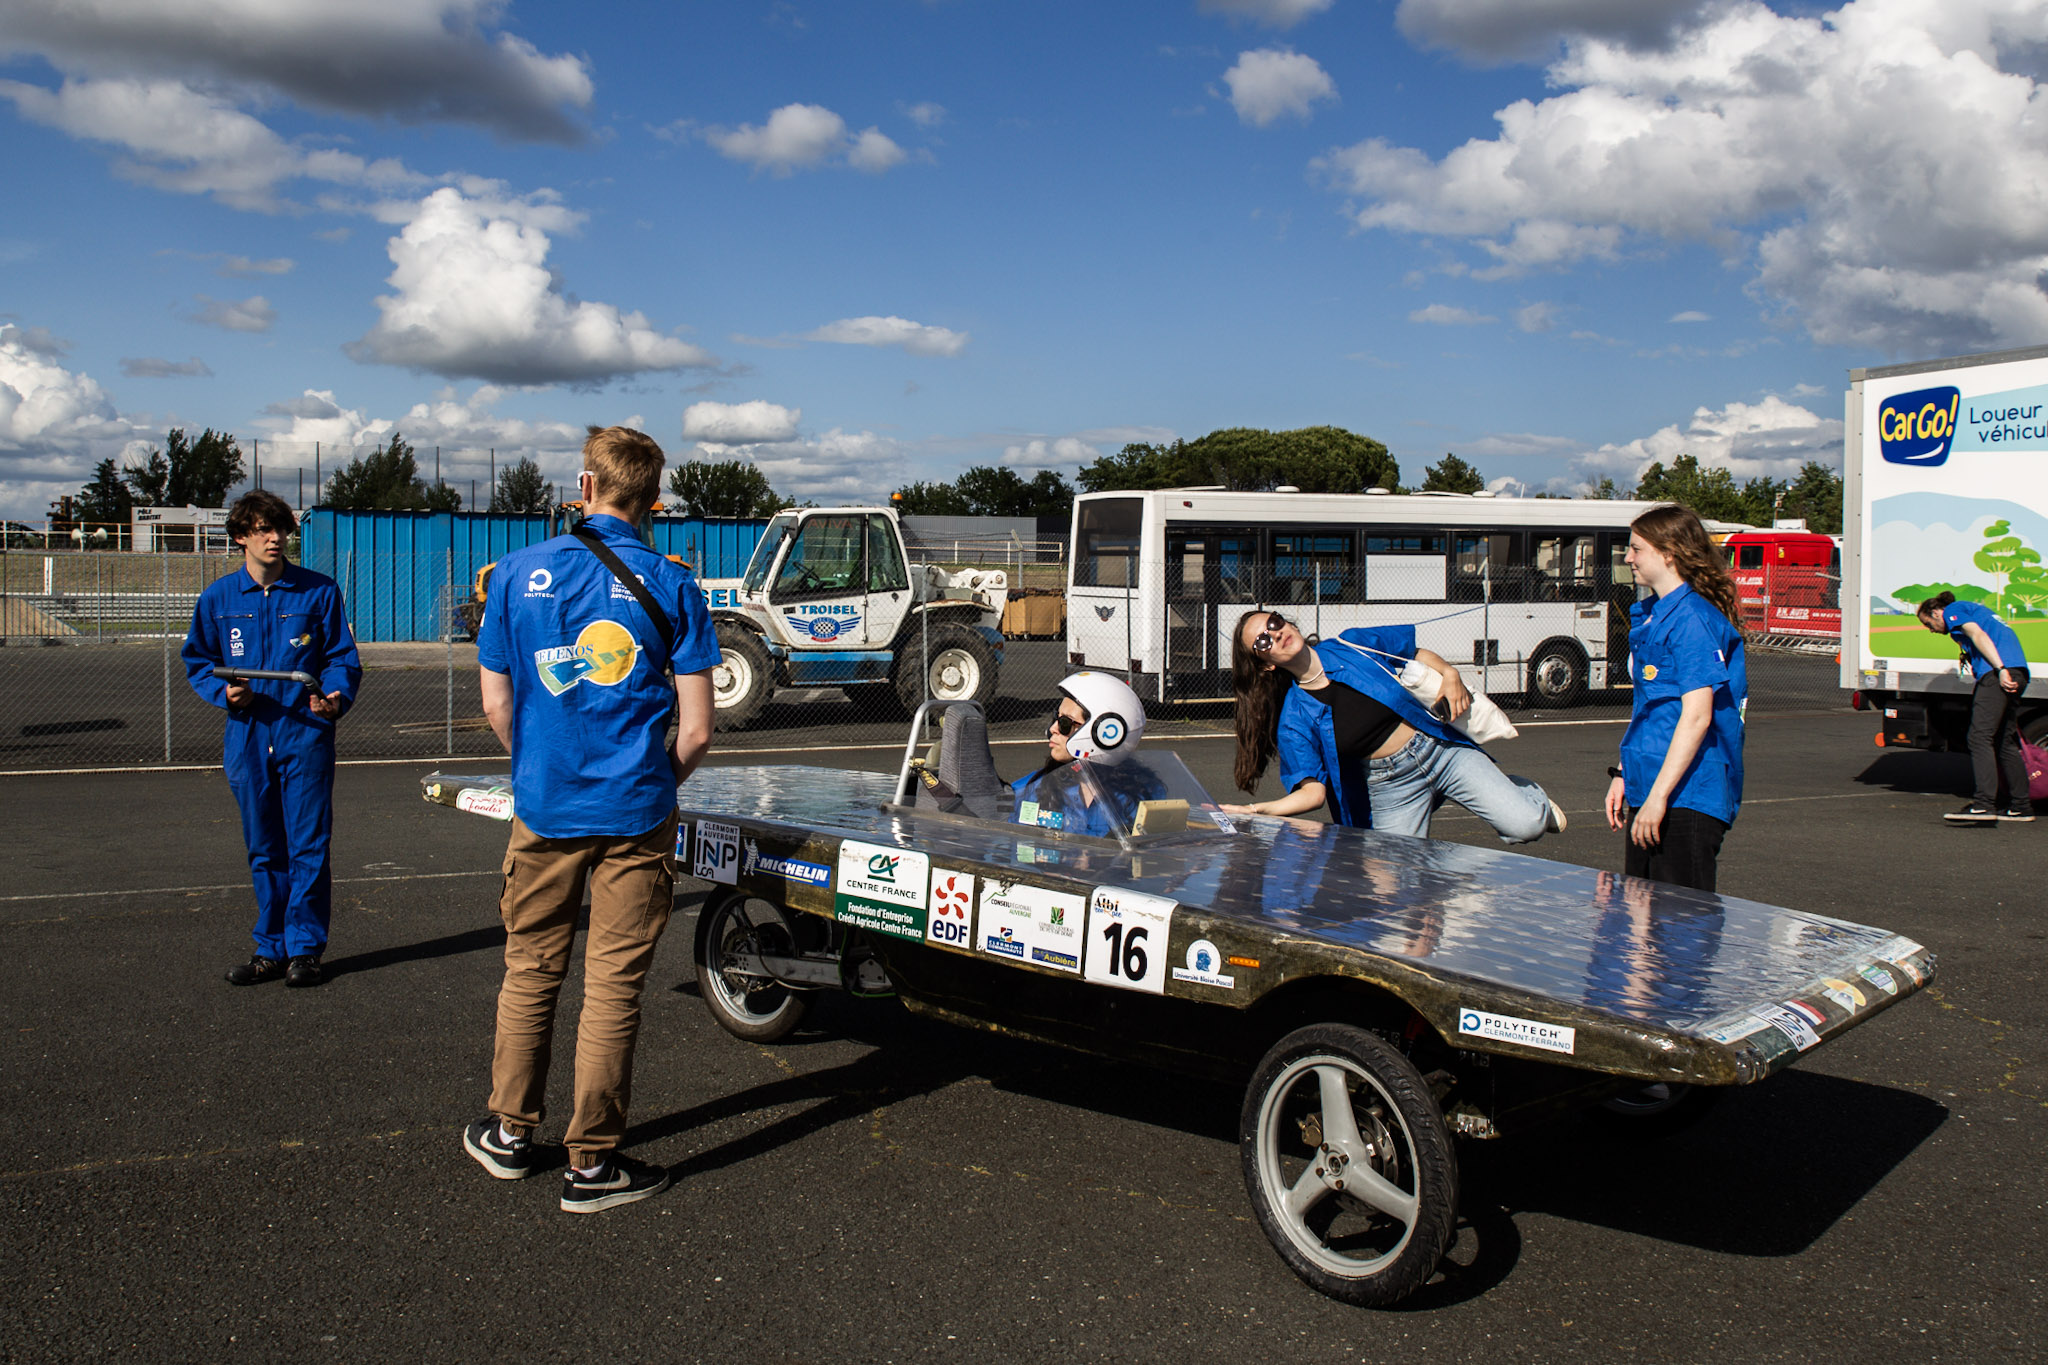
[626, 467]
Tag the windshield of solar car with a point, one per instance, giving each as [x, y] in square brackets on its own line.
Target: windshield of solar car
[1151, 792]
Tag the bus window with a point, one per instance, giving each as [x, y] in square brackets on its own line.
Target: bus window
[1405, 566]
[1313, 568]
[1617, 567]
[1106, 548]
[1487, 567]
[1564, 569]
[1187, 567]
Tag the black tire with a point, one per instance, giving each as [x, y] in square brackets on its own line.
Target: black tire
[745, 1005]
[744, 677]
[961, 667]
[1658, 1110]
[1333, 1105]
[1557, 675]
[2034, 729]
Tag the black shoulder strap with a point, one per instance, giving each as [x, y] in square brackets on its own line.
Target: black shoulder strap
[662, 625]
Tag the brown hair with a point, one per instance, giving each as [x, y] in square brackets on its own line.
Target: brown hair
[1676, 532]
[627, 465]
[1259, 688]
[1935, 606]
[260, 505]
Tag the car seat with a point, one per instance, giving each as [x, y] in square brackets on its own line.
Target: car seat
[965, 769]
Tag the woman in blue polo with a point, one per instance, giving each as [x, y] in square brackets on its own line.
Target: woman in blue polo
[1349, 736]
[1680, 780]
[1994, 655]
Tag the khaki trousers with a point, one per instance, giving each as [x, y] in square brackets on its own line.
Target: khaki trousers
[632, 888]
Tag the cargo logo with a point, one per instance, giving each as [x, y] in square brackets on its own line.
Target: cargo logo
[1916, 428]
[603, 655]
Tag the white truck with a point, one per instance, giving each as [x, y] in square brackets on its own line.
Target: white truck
[830, 599]
[1945, 489]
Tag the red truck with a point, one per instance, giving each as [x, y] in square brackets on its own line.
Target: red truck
[1789, 582]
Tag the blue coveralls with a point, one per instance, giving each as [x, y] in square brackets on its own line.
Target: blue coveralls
[279, 756]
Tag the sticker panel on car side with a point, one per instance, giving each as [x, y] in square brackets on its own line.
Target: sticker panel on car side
[882, 888]
[1030, 924]
[1127, 936]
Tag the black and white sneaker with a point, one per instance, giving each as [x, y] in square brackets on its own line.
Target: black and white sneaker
[2018, 815]
[1976, 813]
[506, 1160]
[621, 1180]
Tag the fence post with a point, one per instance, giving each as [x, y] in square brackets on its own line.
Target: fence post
[165, 601]
[448, 638]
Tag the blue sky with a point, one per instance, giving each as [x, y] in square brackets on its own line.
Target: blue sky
[862, 242]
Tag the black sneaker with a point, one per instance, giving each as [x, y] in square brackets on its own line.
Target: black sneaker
[1976, 813]
[2018, 815]
[507, 1161]
[304, 971]
[621, 1180]
[257, 968]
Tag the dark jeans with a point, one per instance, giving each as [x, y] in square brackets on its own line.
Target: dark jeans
[1995, 740]
[1684, 855]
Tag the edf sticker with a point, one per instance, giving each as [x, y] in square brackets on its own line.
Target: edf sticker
[951, 924]
[718, 853]
[1917, 427]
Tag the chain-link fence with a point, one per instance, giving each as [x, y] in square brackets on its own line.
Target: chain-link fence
[90, 674]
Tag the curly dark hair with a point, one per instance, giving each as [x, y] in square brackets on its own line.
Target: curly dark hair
[1259, 688]
[260, 506]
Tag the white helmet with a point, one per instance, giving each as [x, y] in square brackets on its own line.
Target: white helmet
[1116, 718]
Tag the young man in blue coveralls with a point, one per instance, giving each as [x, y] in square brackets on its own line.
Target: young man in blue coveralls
[279, 750]
[576, 684]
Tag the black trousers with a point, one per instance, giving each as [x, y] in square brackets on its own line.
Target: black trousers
[1995, 740]
[1688, 845]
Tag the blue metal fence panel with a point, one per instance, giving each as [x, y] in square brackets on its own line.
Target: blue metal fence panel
[398, 570]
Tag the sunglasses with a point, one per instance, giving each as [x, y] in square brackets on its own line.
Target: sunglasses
[1263, 641]
[1066, 724]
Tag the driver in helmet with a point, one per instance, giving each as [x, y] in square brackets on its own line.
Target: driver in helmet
[1098, 723]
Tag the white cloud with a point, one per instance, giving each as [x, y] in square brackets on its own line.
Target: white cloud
[55, 424]
[150, 367]
[800, 137]
[914, 337]
[253, 314]
[470, 436]
[1772, 438]
[416, 61]
[1881, 169]
[1502, 30]
[1536, 317]
[740, 423]
[188, 142]
[1444, 315]
[837, 467]
[925, 114]
[1272, 13]
[473, 297]
[1064, 452]
[1691, 315]
[1274, 83]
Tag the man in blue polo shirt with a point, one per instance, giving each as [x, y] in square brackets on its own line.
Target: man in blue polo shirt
[277, 616]
[576, 683]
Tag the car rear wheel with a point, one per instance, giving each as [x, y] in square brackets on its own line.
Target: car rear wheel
[746, 1003]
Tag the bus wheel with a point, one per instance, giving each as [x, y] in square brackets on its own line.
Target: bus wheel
[740, 679]
[1557, 675]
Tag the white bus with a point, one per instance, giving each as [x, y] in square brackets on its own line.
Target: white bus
[1524, 595]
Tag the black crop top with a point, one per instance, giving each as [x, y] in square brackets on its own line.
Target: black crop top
[1362, 723]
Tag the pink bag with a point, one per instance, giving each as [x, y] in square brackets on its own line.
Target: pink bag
[2036, 759]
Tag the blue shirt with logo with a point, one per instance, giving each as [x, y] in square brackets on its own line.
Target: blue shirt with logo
[1958, 614]
[1680, 643]
[590, 701]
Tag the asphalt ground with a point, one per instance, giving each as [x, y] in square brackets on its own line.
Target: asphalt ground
[197, 1172]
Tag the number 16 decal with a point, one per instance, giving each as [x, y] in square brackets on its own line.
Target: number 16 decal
[1127, 934]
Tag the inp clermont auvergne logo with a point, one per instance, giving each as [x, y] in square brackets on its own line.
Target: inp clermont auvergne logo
[603, 655]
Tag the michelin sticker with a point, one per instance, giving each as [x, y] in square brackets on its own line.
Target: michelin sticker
[496, 803]
[883, 889]
[1203, 960]
[1793, 1025]
[759, 864]
[1506, 1028]
[718, 853]
[951, 924]
[1127, 934]
[1031, 924]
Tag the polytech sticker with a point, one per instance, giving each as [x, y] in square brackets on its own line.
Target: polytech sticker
[1506, 1028]
[1127, 934]
[1031, 924]
[883, 889]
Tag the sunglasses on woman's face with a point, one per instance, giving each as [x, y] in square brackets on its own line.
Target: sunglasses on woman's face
[1065, 723]
[1263, 641]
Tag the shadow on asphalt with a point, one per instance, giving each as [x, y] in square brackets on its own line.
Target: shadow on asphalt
[448, 945]
[1919, 771]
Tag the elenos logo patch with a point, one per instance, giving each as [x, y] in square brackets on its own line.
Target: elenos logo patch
[1917, 427]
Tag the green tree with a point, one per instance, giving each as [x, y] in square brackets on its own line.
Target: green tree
[936, 499]
[723, 488]
[188, 473]
[2005, 555]
[107, 500]
[1816, 494]
[1313, 459]
[989, 491]
[522, 489]
[1761, 497]
[1606, 492]
[1709, 492]
[1452, 475]
[2028, 588]
[388, 479]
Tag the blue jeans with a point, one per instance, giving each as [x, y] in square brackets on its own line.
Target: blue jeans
[1407, 786]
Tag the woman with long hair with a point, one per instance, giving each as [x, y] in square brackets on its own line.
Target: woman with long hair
[1680, 780]
[1992, 650]
[1349, 736]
